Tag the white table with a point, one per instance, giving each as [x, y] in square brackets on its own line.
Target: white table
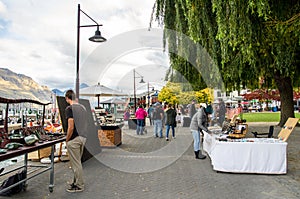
[251, 155]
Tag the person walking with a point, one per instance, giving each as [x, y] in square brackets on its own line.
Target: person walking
[126, 117]
[158, 115]
[221, 112]
[170, 121]
[199, 124]
[192, 109]
[149, 111]
[140, 115]
[76, 116]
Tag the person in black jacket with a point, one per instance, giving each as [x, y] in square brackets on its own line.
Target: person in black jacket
[170, 121]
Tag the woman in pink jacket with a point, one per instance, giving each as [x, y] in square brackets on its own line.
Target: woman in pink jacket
[140, 115]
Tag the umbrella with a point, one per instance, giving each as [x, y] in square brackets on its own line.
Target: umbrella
[114, 101]
[100, 90]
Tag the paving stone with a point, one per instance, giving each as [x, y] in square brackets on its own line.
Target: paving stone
[184, 177]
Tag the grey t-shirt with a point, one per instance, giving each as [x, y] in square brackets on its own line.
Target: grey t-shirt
[79, 114]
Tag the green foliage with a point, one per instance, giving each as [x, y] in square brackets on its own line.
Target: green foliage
[247, 40]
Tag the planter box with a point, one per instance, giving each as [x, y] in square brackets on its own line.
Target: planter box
[110, 138]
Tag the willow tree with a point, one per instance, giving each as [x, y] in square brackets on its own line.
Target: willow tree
[249, 40]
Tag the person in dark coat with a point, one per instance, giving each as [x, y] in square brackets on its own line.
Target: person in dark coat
[170, 121]
[192, 109]
[221, 112]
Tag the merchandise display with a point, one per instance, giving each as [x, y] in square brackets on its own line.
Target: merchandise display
[24, 135]
[248, 155]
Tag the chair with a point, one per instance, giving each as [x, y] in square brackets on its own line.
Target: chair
[269, 134]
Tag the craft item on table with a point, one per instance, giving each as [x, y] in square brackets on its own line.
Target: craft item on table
[2, 151]
[13, 145]
[31, 139]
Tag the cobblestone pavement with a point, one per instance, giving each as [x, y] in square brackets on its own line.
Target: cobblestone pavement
[174, 174]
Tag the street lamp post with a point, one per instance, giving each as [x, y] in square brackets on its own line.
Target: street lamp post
[134, 88]
[149, 93]
[96, 38]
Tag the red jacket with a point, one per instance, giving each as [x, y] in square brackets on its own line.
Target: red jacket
[140, 114]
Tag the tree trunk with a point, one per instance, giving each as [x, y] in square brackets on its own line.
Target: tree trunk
[284, 85]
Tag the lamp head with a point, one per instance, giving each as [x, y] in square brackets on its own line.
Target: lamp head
[142, 80]
[97, 37]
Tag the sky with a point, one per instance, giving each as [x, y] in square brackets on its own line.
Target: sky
[39, 39]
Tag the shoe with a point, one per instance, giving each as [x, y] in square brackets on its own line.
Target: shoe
[74, 189]
[167, 139]
[200, 155]
[156, 136]
[71, 185]
[174, 137]
[196, 154]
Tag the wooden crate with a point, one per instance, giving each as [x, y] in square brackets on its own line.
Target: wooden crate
[110, 138]
[39, 154]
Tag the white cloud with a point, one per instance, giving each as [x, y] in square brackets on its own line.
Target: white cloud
[38, 38]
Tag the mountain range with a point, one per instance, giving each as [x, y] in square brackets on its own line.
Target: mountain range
[19, 86]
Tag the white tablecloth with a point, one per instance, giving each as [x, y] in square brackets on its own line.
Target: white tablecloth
[262, 155]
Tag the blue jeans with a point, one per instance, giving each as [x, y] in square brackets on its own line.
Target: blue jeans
[157, 128]
[139, 126]
[196, 136]
[168, 129]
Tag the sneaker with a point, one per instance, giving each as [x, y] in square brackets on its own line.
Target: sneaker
[71, 185]
[174, 137]
[167, 139]
[74, 189]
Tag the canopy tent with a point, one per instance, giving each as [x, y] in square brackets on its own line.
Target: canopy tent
[114, 101]
[100, 90]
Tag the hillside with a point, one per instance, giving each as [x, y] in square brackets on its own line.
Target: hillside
[17, 86]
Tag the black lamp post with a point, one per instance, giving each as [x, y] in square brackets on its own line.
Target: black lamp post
[96, 38]
[134, 89]
[149, 93]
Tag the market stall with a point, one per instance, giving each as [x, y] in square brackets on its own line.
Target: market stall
[248, 155]
[25, 139]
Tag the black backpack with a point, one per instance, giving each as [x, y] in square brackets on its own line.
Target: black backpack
[21, 175]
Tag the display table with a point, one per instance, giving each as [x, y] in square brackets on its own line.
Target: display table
[24, 151]
[249, 155]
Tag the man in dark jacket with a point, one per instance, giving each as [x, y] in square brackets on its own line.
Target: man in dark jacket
[170, 121]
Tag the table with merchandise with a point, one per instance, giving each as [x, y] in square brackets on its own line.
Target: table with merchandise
[23, 140]
[246, 155]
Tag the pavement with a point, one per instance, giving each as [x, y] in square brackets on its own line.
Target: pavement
[148, 167]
